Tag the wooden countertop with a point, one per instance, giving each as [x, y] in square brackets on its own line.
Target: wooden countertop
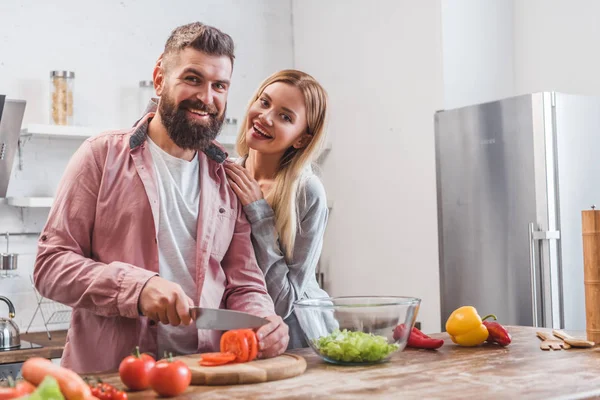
[51, 348]
[520, 370]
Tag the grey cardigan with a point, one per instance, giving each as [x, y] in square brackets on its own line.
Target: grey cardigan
[287, 283]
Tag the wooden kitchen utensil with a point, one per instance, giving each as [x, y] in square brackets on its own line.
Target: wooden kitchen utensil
[550, 343]
[574, 342]
[272, 369]
[590, 228]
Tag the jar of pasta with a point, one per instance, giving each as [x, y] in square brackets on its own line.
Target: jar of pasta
[61, 97]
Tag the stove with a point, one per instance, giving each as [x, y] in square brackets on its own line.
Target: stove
[14, 369]
[25, 345]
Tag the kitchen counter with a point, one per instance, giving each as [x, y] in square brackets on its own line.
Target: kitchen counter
[520, 370]
[51, 348]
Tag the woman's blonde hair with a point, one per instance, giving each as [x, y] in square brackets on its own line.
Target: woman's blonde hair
[295, 163]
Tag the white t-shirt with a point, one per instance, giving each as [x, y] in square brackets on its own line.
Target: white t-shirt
[179, 191]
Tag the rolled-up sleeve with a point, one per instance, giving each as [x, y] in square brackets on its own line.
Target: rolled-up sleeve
[65, 270]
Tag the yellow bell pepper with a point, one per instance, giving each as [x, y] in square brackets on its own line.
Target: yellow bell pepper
[465, 327]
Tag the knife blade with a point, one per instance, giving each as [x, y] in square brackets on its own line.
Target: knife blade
[224, 320]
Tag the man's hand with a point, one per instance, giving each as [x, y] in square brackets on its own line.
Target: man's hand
[165, 301]
[273, 338]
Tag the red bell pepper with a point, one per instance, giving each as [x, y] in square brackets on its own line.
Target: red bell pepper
[497, 333]
[418, 339]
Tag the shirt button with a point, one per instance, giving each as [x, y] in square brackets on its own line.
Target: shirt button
[44, 238]
[221, 210]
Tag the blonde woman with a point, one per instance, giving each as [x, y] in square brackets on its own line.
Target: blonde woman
[284, 200]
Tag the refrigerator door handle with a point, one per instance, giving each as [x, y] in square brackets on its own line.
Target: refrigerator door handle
[534, 295]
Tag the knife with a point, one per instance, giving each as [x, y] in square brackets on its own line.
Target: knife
[224, 320]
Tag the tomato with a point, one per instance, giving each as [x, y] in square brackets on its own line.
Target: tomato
[134, 370]
[170, 378]
[235, 342]
[119, 395]
[104, 395]
[214, 359]
[252, 343]
[106, 391]
[218, 357]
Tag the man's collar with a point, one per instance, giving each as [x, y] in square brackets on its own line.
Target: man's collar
[214, 151]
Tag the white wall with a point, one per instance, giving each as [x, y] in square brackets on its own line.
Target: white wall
[556, 46]
[382, 66]
[111, 45]
[478, 51]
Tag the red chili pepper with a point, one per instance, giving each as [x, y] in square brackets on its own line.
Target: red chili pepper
[418, 339]
[497, 333]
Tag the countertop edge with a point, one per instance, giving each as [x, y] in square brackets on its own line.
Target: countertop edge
[52, 348]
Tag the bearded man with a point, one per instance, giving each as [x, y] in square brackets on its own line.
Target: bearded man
[145, 225]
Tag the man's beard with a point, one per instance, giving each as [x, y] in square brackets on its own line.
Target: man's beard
[184, 132]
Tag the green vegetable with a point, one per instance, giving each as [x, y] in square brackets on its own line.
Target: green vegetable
[47, 390]
[355, 347]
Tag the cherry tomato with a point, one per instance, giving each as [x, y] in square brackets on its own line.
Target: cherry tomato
[106, 391]
[104, 395]
[134, 370]
[119, 395]
[170, 378]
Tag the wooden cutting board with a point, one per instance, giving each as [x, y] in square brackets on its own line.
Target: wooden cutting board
[272, 369]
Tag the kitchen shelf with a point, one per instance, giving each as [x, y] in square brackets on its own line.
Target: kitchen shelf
[83, 132]
[39, 202]
[58, 131]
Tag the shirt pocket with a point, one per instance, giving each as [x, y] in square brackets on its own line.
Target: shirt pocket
[224, 227]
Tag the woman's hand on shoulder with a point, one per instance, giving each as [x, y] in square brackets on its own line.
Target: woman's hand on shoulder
[245, 187]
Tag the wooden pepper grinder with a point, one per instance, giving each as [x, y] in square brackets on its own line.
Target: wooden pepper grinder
[590, 227]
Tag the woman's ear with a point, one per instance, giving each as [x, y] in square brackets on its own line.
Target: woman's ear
[303, 141]
[158, 76]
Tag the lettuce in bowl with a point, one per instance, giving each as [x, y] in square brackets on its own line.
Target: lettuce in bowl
[354, 347]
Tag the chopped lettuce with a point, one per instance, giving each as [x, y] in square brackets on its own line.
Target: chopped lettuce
[354, 347]
[47, 390]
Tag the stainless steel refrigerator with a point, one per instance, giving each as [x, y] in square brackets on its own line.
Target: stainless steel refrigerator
[512, 179]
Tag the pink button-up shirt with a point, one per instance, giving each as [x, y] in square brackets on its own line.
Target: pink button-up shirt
[99, 248]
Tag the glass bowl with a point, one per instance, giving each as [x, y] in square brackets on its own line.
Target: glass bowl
[357, 330]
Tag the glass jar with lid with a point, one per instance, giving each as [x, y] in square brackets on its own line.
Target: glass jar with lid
[61, 97]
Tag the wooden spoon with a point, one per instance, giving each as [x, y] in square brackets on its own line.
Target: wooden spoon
[550, 343]
[574, 342]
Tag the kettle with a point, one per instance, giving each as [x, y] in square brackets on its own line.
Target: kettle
[9, 331]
